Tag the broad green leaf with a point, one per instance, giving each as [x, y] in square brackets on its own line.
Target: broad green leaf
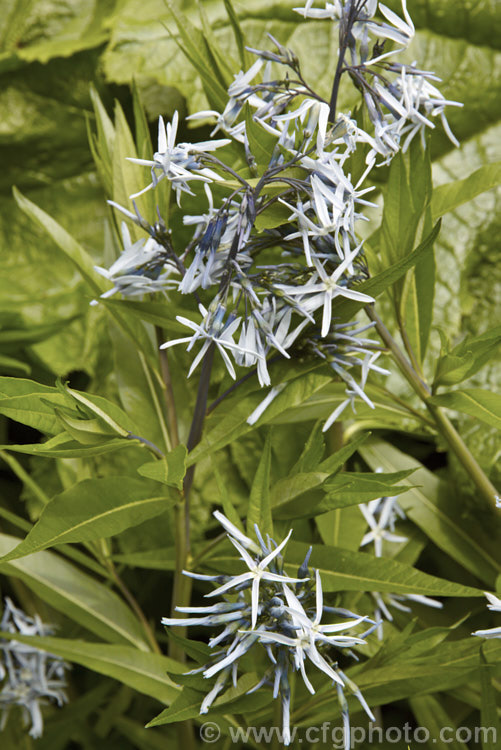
[187, 704]
[344, 490]
[74, 593]
[57, 29]
[169, 470]
[432, 507]
[259, 510]
[343, 569]
[142, 671]
[129, 178]
[163, 558]
[288, 489]
[138, 390]
[90, 510]
[390, 410]
[105, 410]
[483, 405]
[159, 313]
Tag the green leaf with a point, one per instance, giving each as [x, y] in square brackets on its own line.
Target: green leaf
[467, 358]
[31, 410]
[430, 713]
[169, 470]
[406, 221]
[346, 570]
[433, 508]
[343, 569]
[483, 405]
[261, 143]
[193, 44]
[79, 596]
[390, 276]
[234, 423]
[62, 446]
[488, 713]
[312, 453]
[186, 706]
[259, 511]
[454, 194]
[142, 671]
[92, 509]
[159, 313]
[69, 246]
[129, 178]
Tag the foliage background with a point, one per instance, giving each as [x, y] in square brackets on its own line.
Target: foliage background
[50, 51]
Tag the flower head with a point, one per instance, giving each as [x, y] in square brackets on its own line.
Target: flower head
[280, 615]
[31, 677]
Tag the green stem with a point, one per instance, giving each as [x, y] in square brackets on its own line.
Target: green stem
[441, 421]
[134, 606]
[182, 584]
[170, 403]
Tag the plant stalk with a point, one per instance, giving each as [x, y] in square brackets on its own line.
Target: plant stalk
[440, 419]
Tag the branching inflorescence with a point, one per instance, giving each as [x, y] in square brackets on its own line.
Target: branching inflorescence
[278, 245]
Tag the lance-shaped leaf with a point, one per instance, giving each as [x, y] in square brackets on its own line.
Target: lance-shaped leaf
[344, 570]
[476, 402]
[92, 509]
[259, 511]
[433, 508]
[142, 671]
[169, 470]
[74, 593]
[466, 358]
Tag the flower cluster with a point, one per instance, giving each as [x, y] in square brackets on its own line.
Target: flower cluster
[266, 608]
[381, 515]
[400, 99]
[268, 266]
[30, 676]
[494, 605]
